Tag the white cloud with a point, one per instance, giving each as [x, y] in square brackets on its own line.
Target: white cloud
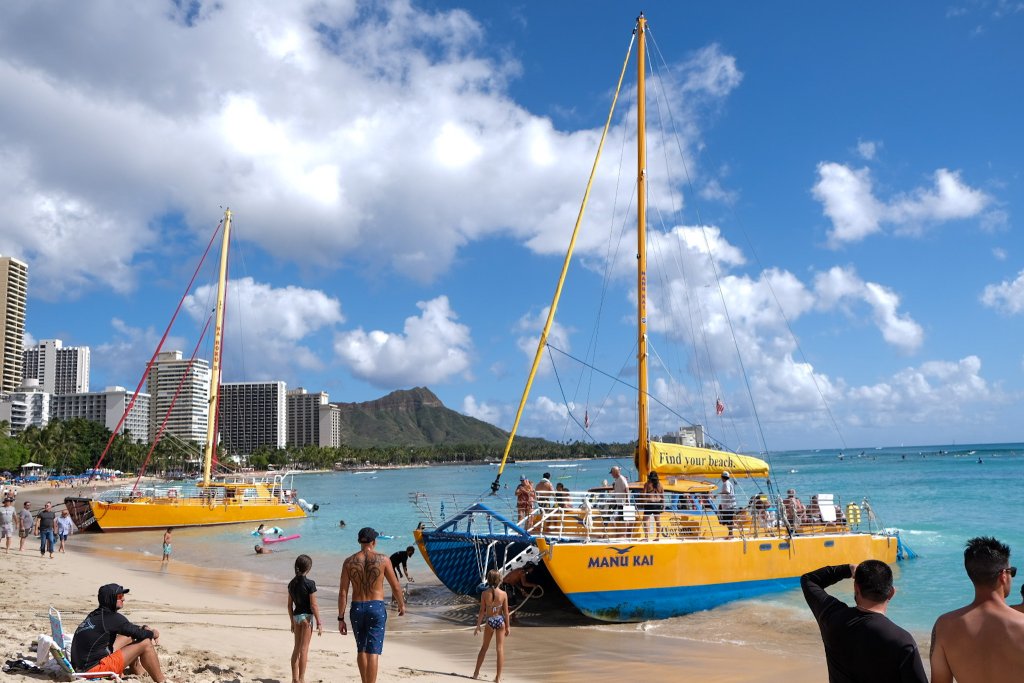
[1007, 296]
[481, 410]
[123, 359]
[999, 253]
[530, 327]
[265, 326]
[849, 202]
[432, 348]
[249, 104]
[867, 149]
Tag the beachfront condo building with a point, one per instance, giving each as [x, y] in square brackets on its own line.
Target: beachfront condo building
[187, 415]
[13, 300]
[307, 414]
[252, 414]
[106, 407]
[60, 369]
[330, 425]
[29, 406]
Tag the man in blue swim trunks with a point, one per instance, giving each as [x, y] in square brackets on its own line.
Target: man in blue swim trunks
[365, 573]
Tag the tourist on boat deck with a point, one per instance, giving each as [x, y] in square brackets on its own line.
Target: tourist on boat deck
[562, 498]
[861, 642]
[727, 501]
[813, 512]
[400, 561]
[984, 641]
[525, 497]
[653, 505]
[794, 510]
[620, 493]
[545, 483]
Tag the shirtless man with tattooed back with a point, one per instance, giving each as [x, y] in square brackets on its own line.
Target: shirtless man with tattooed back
[366, 571]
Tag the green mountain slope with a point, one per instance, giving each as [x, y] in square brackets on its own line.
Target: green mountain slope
[414, 417]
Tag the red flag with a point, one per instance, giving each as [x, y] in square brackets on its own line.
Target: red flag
[719, 406]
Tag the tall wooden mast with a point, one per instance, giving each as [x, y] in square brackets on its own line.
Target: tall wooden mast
[218, 336]
[643, 451]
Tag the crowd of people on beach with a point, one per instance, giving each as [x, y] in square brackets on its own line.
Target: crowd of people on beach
[982, 642]
[52, 529]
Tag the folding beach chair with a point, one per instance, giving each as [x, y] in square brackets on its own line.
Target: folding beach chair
[62, 653]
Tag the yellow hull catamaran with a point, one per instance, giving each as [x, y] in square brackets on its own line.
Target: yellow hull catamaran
[211, 501]
[593, 545]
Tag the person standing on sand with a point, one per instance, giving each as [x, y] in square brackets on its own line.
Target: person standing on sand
[46, 529]
[861, 644]
[65, 527]
[167, 546]
[302, 610]
[25, 524]
[7, 522]
[493, 608]
[365, 572]
[984, 641]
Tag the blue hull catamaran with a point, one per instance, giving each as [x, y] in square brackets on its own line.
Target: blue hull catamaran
[593, 545]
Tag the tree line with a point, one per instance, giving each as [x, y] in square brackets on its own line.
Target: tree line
[73, 446]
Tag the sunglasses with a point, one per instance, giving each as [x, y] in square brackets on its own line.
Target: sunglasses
[1012, 570]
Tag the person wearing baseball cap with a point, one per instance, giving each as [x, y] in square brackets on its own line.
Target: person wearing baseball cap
[363, 573]
[727, 501]
[107, 641]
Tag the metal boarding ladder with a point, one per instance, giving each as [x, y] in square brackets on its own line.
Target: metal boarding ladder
[529, 555]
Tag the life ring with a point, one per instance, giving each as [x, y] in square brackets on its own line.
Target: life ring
[852, 514]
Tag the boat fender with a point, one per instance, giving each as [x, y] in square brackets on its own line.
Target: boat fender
[852, 514]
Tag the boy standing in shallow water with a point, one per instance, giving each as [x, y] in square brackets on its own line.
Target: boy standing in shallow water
[167, 546]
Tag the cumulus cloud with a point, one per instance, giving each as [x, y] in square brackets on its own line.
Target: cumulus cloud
[123, 359]
[1007, 296]
[999, 254]
[432, 348]
[265, 327]
[530, 326]
[481, 410]
[249, 104]
[867, 149]
[849, 202]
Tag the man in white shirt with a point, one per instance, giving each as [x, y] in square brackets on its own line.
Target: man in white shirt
[620, 493]
[727, 501]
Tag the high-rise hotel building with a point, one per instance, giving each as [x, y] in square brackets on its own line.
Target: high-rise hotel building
[312, 420]
[189, 417]
[60, 369]
[13, 299]
[105, 407]
[252, 414]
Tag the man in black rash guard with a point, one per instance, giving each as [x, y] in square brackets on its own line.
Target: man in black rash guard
[399, 562]
[107, 641]
[861, 644]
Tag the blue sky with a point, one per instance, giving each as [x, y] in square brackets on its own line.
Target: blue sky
[405, 176]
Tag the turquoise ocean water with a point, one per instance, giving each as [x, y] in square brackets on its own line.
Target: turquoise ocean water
[938, 496]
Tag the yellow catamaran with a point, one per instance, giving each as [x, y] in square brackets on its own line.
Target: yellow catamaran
[593, 545]
[222, 500]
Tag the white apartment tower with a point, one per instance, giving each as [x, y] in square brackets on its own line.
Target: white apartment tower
[106, 407]
[189, 418]
[13, 299]
[304, 417]
[252, 414]
[60, 369]
[29, 406]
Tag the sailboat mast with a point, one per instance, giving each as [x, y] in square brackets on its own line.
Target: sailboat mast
[218, 336]
[643, 451]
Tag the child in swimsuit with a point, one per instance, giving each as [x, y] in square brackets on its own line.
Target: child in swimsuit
[302, 610]
[493, 607]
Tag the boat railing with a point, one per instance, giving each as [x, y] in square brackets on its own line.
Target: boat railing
[603, 515]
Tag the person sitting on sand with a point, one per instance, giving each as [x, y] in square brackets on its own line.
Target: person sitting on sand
[260, 550]
[107, 641]
[493, 607]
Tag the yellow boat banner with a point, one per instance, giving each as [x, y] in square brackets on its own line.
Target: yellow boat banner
[671, 458]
